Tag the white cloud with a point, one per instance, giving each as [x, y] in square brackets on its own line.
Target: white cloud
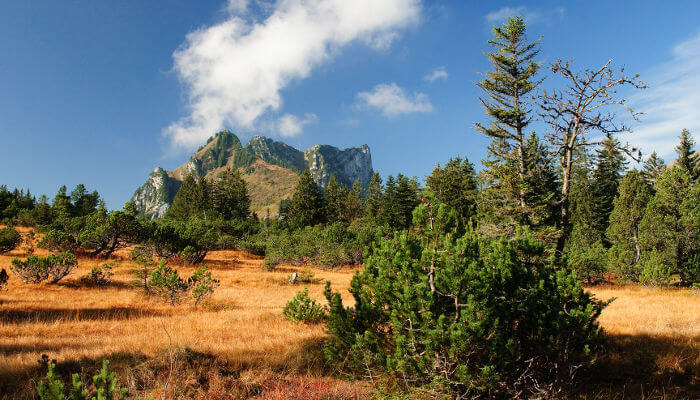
[671, 102]
[436, 74]
[234, 71]
[393, 100]
[289, 125]
[530, 16]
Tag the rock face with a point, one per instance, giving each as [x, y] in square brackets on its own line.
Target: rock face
[270, 169]
[155, 196]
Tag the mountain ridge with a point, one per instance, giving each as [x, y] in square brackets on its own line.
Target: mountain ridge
[269, 167]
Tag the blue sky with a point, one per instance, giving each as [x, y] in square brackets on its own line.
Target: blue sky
[102, 92]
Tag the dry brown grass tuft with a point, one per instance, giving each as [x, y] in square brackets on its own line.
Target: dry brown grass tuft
[239, 346]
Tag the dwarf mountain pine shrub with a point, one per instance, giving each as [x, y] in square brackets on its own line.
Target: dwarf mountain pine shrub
[201, 284]
[105, 386]
[166, 282]
[9, 239]
[303, 308]
[490, 319]
[100, 275]
[35, 269]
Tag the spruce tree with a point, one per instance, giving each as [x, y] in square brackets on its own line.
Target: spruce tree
[456, 186]
[307, 204]
[623, 230]
[507, 88]
[335, 198]
[230, 195]
[183, 206]
[353, 207]
[498, 207]
[61, 208]
[373, 201]
[610, 165]
[671, 223]
[653, 167]
[687, 158]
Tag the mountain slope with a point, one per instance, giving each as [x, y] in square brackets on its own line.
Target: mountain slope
[270, 169]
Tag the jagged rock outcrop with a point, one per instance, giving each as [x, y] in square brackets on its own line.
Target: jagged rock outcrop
[270, 169]
[155, 196]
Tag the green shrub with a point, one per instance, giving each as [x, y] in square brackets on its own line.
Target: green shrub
[105, 386]
[143, 257]
[100, 275]
[589, 262]
[166, 282]
[35, 269]
[9, 239]
[655, 269]
[304, 309]
[58, 240]
[201, 284]
[489, 318]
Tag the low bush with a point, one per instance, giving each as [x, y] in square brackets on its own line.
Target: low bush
[100, 275]
[58, 240]
[105, 386]
[35, 269]
[143, 257]
[9, 239]
[201, 284]
[166, 282]
[303, 308]
[489, 319]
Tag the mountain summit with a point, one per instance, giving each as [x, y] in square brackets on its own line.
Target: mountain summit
[270, 169]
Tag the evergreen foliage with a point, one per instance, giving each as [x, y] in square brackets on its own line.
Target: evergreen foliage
[507, 88]
[166, 282]
[373, 201]
[488, 318]
[623, 230]
[3, 278]
[9, 239]
[401, 195]
[671, 224]
[687, 158]
[35, 269]
[307, 206]
[201, 284]
[456, 186]
[653, 167]
[609, 168]
[105, 386]
[230, 197]
[303, 308]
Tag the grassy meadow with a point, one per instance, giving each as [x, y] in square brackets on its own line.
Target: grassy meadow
[238, 345]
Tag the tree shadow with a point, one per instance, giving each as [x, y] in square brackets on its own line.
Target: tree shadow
[49, 315]
[645, 366]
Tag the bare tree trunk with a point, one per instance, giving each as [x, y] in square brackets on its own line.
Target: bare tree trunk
[564, 221]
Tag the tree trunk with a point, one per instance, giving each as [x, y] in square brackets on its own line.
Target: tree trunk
[564, 221]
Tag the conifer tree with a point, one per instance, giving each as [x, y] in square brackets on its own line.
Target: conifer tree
[623, 230]
[307, 204]
[61, 208]
[353, 202]
[373, 201]
[230, 195]
[610, 165]
[335, 197]
[455, 185]
[653, 167]
[185, 200]
[400, 198]
[671, 223]
[507, 88]
[687, 158]
[499, 208]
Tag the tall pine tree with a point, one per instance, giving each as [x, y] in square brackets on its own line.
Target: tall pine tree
[456, 186]
[610, 165]
[653, 167]
[687, 158]
[307, 204]
[507, 88]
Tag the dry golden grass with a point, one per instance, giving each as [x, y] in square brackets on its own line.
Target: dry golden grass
[238, 344]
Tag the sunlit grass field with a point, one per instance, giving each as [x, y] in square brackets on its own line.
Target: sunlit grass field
[239, 345]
